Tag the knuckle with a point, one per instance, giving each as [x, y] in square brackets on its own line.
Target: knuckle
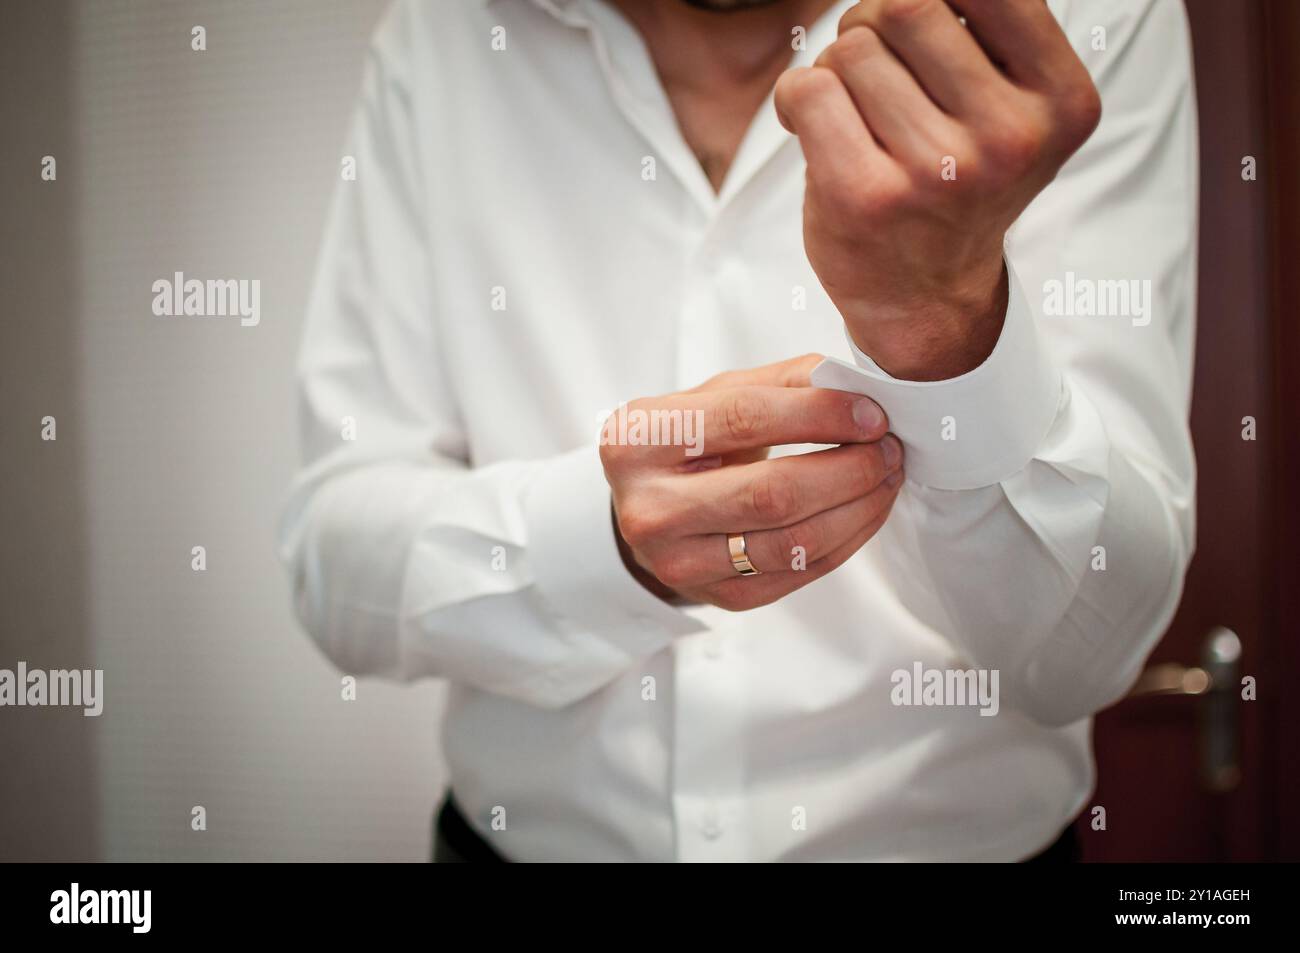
[966, 157]
[803, 537]
[615, 453]
[886, 196]
[744, 416]
[797, 88]
[716, 382]
[858, 14]
[1081, 113]
[853, 46]
[794, 372]
[1015, 147]
[974, 170]
[877, 200]
[640, 524]
[896, 13]
[612, 454]
[774, 497]
[672, 570]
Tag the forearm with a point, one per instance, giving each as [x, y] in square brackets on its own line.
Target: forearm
[409, 570]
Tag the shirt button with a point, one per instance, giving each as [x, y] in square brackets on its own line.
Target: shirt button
[713, 649]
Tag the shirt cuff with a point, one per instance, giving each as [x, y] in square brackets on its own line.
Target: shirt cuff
[974, 430]
[576, 564]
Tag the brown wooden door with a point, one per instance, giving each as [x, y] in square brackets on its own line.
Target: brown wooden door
[1154, 749]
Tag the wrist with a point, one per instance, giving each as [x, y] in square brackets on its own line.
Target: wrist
[937, 340]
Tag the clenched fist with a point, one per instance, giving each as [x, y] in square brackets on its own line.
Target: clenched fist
[925, 138]
[802, 515]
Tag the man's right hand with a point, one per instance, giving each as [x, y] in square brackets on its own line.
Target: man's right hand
[673, 512]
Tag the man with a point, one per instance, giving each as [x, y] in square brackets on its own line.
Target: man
[757, 627]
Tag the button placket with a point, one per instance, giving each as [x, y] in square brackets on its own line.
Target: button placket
[708, 762]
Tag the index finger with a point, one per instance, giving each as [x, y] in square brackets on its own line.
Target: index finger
[744, 418]
[706, 425]
[792, 372]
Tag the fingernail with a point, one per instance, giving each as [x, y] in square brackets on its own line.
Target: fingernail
[894, 479]
[892, 450]
[868, 415]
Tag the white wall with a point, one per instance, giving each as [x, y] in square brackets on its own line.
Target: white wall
[218, 164]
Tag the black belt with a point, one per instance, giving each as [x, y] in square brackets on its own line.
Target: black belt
[456, 841]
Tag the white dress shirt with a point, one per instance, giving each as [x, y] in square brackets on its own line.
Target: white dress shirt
[504, 271]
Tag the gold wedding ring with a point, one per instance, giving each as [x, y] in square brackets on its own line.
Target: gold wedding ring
[739, 558]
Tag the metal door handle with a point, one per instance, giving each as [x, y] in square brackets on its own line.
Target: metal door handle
[1171, 678]
[1214, 682]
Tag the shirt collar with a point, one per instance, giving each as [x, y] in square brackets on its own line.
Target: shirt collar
[819, 37]
[555, 7]
[569, 12]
